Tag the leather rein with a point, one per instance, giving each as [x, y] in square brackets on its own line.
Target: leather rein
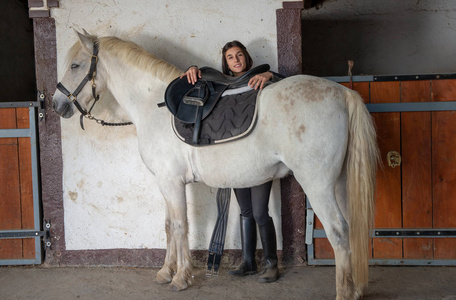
[73, 97]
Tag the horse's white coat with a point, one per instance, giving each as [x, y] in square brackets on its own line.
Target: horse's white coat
[110, 199]
[317, 128]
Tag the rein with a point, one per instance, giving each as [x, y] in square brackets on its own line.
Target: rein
[73, 97]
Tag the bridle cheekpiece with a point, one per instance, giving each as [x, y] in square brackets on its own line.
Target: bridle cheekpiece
[73, 97]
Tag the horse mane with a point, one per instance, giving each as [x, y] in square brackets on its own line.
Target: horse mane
[130, 53]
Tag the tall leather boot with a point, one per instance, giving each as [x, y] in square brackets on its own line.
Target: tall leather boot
[268, 239]
[248, 239]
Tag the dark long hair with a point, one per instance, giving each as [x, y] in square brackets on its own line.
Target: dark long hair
[248, 59]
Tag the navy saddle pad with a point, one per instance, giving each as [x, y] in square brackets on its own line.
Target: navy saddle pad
[231, 118]
[202, 116]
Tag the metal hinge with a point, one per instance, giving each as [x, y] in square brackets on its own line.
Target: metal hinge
[21, 234]
[41, 108]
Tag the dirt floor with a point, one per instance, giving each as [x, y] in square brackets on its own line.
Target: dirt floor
[294, 283]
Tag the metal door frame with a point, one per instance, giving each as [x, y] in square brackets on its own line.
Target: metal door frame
[37, 234]
[312, 233]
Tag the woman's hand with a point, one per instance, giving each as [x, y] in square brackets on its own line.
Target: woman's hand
[193, 73]
[259, 80]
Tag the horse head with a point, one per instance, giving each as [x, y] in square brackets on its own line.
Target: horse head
[80, 83]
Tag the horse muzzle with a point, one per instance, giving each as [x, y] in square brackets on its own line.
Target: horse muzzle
[62, 106]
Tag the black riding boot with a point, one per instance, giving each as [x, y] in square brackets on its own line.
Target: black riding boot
[248, 239]
[268, 239]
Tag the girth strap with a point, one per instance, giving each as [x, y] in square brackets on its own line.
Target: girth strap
[203, 94]
[218, 235]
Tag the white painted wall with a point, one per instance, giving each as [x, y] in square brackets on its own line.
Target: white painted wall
[110, 199]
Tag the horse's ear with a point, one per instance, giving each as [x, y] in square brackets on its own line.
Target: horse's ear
[86, 41]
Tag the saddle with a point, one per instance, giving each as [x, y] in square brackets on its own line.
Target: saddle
[201, 115]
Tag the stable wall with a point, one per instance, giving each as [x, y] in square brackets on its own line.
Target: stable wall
[110, 199]
[381, 36]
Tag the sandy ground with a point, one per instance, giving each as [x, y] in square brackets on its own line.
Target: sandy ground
[294, 283]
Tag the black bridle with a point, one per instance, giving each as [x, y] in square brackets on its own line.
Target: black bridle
[73, 97]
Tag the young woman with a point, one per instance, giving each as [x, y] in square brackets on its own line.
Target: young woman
[252, 201]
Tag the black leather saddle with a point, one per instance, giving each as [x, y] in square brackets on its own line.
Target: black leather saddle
[191, 104]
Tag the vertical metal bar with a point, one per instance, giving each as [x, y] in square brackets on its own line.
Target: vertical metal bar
[310, 219]
[35, 184]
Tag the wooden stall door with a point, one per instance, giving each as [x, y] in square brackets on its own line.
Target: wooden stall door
[416, 170]
[444, 167]
[420, 193]
[388, 196]
[16, 191]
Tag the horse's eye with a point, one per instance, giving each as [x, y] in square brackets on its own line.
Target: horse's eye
[74, 66]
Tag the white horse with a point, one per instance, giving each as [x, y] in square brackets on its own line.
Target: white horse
[315, 128]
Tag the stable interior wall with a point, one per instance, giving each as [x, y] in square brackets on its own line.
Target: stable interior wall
[110, 199]
[381, 36]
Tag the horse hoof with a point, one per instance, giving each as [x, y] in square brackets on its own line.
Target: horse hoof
[163, 277]
[178, 285]
[177, 288]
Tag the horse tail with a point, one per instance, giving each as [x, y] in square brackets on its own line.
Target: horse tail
[361, 161]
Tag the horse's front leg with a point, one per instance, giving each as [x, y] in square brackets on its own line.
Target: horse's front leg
[177, 253]
[165, 275]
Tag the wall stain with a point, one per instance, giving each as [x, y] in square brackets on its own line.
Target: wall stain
[81, 184]
[73, 195]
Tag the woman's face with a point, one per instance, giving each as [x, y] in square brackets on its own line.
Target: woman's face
[235, 59]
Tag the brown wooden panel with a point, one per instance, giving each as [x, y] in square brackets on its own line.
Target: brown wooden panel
[416, 169]
[415, 248]
[362, 88]
[25, 168]
[388, 195]
[7, 118]
[22, 117]
[10, 208]
[323, 249]
[11, 249]
[444, 168]
[16, 190]
[318, 224]
[388, 211]
[416, 91]
[10, 202]
[443, 90]
[387, 248]
[385, 92]
[445, 248]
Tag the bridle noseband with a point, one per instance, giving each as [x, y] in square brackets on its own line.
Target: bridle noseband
[73, 97]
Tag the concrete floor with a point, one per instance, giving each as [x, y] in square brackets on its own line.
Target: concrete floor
[294, 283]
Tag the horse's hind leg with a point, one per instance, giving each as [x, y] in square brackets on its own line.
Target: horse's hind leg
[324, 204]
[178, 254]
[341, 194]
